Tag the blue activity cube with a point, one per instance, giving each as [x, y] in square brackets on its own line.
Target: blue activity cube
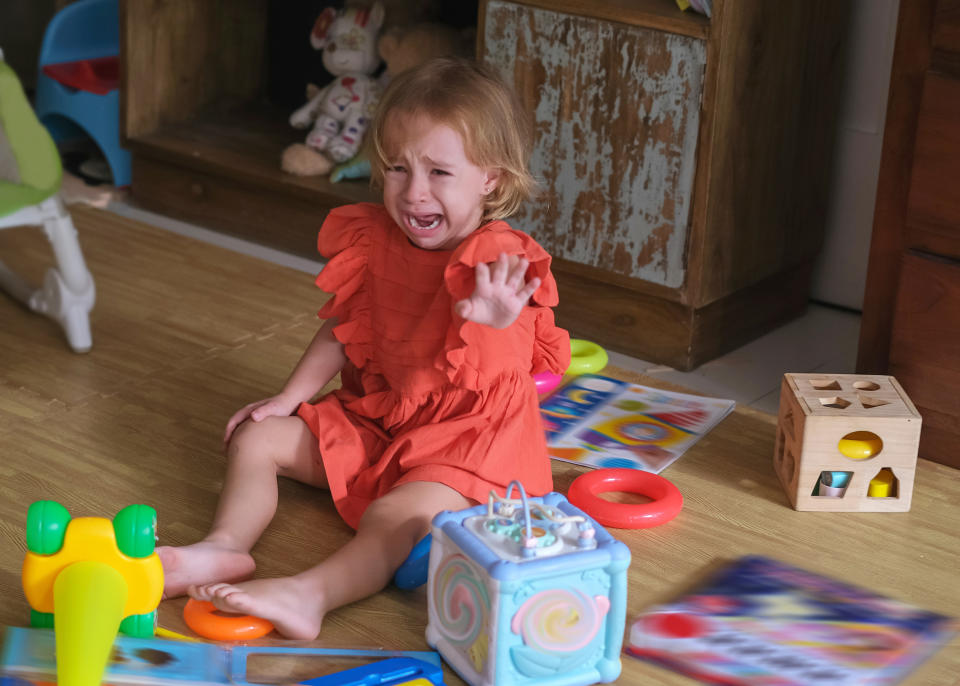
[528, 591]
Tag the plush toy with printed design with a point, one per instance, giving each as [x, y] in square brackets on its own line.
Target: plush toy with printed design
[340, 112]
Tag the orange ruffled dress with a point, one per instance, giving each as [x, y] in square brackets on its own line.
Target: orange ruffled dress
[427, 395]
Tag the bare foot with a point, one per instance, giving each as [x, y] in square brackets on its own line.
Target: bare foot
[295, 612]
[201, 563]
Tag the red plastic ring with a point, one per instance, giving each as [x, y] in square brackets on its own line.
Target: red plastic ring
[546, 381]
[200, 615]
[667, 499]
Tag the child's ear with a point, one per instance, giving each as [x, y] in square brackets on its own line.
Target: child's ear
[491, 181]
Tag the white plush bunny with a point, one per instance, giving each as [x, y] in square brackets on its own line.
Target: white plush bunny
[341, 111]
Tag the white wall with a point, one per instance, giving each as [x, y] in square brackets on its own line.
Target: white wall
[841, 271]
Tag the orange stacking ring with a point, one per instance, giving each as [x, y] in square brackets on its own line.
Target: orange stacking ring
[202, 617]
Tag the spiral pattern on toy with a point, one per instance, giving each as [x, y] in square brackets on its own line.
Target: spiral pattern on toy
[559, 620]
[461, 600]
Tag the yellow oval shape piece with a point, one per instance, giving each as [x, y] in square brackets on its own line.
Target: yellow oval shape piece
[860, 445]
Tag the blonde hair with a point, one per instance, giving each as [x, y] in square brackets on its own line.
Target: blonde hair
[472, 101]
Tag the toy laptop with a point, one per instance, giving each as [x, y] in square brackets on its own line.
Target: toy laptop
[27, 659]
[527, 591]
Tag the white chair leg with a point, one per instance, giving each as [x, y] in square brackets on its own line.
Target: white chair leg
[70, 309]
[68, 293]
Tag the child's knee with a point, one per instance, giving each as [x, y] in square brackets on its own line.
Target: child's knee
[254, 439]
[408, 511]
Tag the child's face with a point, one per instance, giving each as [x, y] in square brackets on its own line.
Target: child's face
[430, 188]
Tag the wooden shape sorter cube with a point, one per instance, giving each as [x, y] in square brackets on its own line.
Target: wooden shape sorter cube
[855, 429]
[529, 591]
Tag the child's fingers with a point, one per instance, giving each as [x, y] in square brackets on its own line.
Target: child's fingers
[482, 274]
[500, 270]
[527, 291]
[253, 411]
[518, 274]
[463, 308]
[232, 425]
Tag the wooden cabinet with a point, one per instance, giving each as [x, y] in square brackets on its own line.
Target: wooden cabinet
[911, 314]
[684, 160]
[206, 141]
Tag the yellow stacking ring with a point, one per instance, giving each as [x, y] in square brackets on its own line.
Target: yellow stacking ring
[585, 357]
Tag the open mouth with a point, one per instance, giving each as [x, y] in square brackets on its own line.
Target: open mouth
[423, 222]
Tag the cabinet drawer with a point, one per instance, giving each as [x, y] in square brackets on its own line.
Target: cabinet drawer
[925, 351]
[933, 206]
[617, 112]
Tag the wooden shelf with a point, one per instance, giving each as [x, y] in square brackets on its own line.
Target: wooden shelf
[680, 155]
[231, 159]
[244, 144]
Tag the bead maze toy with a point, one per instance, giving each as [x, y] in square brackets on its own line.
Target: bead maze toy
[527, 591]
[88, 578]
[846, 443]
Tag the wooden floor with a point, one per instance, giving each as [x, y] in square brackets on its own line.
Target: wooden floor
[185, 333]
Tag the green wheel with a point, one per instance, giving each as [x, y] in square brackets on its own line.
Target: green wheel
[47, 522]
[140, 626]
[41, 620]
[135, 528]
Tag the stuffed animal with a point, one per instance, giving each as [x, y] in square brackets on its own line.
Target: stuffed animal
[401, 48]
[405, 47]
[340, 111]
[405, 12]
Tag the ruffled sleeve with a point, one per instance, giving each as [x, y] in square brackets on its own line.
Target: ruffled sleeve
[485, 246]
[551, 344]
[475, 354]
[345, 240]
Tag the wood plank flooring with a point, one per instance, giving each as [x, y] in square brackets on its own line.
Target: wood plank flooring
[184, 333]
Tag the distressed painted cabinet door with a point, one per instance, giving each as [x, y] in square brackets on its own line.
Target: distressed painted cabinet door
[616, 122]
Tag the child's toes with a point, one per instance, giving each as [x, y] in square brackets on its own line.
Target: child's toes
[205, 591]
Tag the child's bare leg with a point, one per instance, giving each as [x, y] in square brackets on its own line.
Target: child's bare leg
[389, 529]
[257, 454]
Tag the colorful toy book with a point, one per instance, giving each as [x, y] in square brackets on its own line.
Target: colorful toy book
[27, 659]
[602, 422]
[765, 623]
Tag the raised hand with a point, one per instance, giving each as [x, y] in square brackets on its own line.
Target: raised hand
[500, 294]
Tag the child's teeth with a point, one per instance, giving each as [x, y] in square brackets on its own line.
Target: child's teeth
[417, 223]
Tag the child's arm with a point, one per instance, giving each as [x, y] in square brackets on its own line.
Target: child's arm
[320, 362]
[500, 293]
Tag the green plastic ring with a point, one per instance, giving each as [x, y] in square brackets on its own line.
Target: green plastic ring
[585, 357]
